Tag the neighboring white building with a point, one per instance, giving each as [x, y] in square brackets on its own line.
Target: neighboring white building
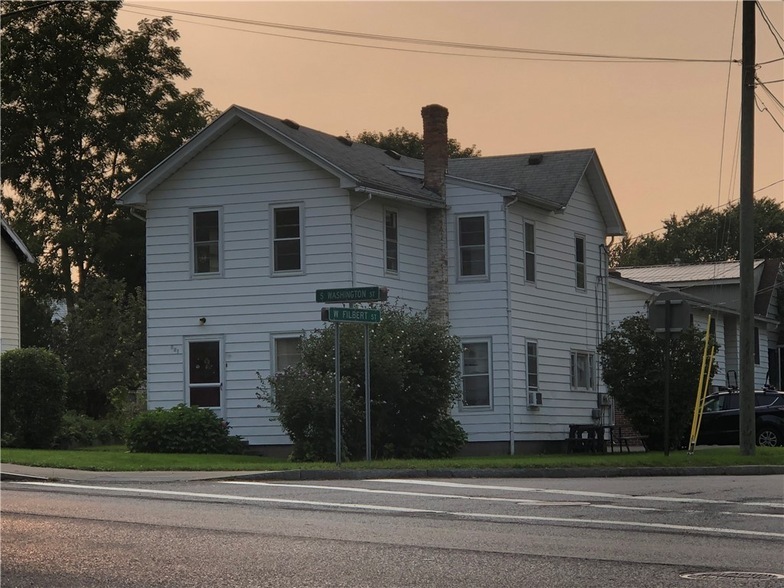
[712, 288]
[12, 253]
[255, 213]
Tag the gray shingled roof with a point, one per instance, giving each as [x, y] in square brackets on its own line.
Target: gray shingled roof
[370, 166]
[552, 181]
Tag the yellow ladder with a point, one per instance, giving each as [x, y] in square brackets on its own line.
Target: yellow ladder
[702, 388]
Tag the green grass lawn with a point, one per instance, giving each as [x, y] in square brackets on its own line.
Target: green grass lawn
[118, 459]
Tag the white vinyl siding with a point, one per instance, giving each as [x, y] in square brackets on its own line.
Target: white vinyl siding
[477, 388]
[472, 246]
[9, 304]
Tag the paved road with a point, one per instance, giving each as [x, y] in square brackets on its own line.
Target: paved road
[417, 532]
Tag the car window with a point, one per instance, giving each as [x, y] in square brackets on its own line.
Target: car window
[714, 404]
[732, 402]
[763, 399]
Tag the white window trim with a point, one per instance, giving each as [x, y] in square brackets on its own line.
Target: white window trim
[220, 410]
[192, 243]
[593, 366]
[584, 287]
[478, 407]
[274, 338]
[272, 208]
[394, 211]
[458, 265]
[525, 251]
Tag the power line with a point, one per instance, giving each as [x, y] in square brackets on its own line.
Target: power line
[769, 93]
[774, 32]
[764, 108]
[590, 57]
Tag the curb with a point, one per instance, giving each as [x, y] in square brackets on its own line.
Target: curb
[11, 477]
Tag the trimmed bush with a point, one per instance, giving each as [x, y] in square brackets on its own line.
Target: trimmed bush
[76, 430]
[34, 383]
[182, 429]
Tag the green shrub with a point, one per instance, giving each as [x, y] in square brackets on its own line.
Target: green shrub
[415, 382]
[182, 429]
[76, 430]
[33, 382]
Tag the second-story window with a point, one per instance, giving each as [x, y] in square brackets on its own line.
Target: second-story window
[472, 246]
[530, 253]
[287, 239]
[206, 242]
[579, 261]
[390, 240]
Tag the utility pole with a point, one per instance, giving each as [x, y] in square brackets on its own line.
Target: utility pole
[747, 432]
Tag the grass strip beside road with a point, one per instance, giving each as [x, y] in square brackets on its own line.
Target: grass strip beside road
[118, 459]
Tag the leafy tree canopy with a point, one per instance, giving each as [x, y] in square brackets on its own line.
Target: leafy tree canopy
[410, 143]
[86, 108]
[415, 381]
[633, 360]
[705, 235]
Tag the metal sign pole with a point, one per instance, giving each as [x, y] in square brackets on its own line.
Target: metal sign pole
[367, 392]
[667, 326]
[337, 394]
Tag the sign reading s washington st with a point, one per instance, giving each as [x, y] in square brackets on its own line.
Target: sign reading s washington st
[348, 295]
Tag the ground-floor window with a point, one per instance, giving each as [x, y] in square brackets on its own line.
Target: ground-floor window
[582, 367]
[476, 373]
[204, 373]
[287, 351]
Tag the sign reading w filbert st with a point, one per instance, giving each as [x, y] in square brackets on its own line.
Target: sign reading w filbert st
[351, 315]
[361, 294]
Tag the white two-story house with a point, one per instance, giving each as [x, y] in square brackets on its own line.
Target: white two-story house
[13, 252]
[254, 214]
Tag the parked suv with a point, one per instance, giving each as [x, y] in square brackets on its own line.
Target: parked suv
[721, 418]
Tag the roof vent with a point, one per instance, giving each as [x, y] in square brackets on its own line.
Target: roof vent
[345, 140]
[393, 154]
[535, 159]
[290, 123]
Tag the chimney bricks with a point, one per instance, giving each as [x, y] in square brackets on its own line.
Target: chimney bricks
[436, 153]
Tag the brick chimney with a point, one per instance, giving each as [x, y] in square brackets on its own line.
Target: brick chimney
[436, 158]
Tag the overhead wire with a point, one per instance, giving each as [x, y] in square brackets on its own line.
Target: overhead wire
[579, 56]
[774, 32]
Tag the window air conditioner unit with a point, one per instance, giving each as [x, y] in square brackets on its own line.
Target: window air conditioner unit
[534, 399]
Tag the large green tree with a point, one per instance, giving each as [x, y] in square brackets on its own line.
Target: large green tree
[706, 235]
[633, 360]
[86, 108]
[410, 143]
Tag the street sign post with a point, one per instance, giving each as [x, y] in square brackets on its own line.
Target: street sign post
[351, 295]
[352, 314]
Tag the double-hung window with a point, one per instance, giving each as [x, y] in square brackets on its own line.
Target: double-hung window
[390, 241]
[533, 366]
[287, 352]
[472, 246]
[582, 368]
[204, 373]
[530, 252]
[579, 261]
[206, 242]
[287, 238]
[476, 373]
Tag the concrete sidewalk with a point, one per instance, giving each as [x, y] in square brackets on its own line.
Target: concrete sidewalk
[12, 472]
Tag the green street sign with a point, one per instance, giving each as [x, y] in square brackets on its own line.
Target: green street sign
[361, 294]
[351, 315]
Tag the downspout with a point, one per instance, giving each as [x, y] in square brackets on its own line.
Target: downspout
[604, 252]
[135, 214]
[353, 236]
[509, 325]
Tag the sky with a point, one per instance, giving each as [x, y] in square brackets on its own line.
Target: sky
[666, 132]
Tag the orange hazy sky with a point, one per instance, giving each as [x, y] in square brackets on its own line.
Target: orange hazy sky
[659, 128]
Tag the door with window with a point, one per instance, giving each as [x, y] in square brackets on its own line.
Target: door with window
[204, 374]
